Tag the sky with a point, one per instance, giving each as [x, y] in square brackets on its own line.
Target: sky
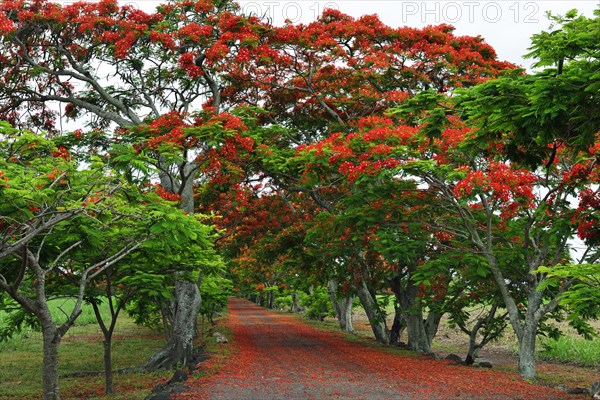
[505, 24]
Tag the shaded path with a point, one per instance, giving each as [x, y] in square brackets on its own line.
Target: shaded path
[279, 357]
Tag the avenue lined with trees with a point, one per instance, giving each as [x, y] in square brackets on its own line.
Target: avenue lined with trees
[310, 166]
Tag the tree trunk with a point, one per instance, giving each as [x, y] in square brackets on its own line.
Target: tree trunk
[167, 320]
[296, 308]
[346, 314]
[420, 332]
[108, 375]
[471, 352]
[432, 323]
[489, 334]
[397, 327]
[527, 350]
[415, 328]
[179, 350]
[374, 313]
[271, 299]
[51, 340]
[342, 307]
[107, 333]
[525, 328]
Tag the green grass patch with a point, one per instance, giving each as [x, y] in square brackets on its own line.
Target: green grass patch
[81, 350]
[569, 349]
[59, 308]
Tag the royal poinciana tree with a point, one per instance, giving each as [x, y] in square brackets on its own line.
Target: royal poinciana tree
[506, 186]
[537, 136]
[321, 78]
[142, 73]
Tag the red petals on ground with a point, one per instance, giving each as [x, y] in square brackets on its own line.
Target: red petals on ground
[279, 357]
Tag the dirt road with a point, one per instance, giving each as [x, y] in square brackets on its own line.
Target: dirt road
[278, 357]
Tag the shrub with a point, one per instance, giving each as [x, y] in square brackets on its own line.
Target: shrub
[318, 304]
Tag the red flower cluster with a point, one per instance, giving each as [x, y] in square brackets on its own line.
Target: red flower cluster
[504, 183]
[187, 62]
[165, 194]
[61, 152]
[195, 33]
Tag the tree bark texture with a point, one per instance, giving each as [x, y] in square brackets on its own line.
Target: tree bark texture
[108, 375]
[526, 326]
[342, 307]
[51, 340]
[374, 313]
[179, 350]
[420, 331]
[527, 368]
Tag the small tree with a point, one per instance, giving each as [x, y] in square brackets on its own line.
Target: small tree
[547, 123]
[63, 225]
[149, 272]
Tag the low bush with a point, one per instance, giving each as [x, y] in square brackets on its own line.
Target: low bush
[318, 304]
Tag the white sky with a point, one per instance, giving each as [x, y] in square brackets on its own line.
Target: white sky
[505, 24]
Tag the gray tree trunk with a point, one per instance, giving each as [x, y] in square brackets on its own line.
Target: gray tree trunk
[342, 307]
[474, 347]
[420, 332]
[487, 336]
[432, 323]
[51, 339]
[108, 375]
[417, 335]
[107, 332]
[527, 350]
[345, 316]
[528, 333]
[271, 300]
[179, 350]
[473, 350]
[296, 308]
[525, 327]
[374, 314]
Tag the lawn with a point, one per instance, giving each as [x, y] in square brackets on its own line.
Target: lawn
[80, 351]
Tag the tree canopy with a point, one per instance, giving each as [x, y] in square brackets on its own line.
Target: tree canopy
[342, 153]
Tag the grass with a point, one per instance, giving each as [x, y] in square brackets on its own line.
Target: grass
[568, 349]
[80, 351]
[59, 309]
